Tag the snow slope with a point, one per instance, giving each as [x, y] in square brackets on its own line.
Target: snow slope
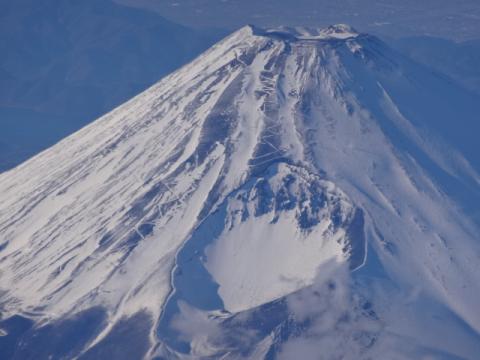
[216, 214]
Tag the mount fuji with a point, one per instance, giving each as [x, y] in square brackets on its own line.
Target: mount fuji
[292, 193]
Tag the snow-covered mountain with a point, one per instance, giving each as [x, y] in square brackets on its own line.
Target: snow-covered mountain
[290, 194]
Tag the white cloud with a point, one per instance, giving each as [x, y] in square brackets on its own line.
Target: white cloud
[335, 324]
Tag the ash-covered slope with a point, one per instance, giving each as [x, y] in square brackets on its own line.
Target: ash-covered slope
[286, 190]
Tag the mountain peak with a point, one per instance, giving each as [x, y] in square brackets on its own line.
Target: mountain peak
[241, 179]
[337, 31]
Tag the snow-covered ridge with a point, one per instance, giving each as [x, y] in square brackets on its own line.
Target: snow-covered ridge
[339, 31]
[306, 147]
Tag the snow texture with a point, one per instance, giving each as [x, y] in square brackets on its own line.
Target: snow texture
[283, 191]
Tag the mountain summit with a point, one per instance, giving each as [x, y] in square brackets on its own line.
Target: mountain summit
[289, 193]
[339, 31]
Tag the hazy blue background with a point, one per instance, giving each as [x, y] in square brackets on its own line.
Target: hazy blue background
[66, 62]
[452, 19]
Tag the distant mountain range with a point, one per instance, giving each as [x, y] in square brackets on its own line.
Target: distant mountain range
[451, 19]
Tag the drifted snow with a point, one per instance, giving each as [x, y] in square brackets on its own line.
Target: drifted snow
[164, 191]
[289, 218]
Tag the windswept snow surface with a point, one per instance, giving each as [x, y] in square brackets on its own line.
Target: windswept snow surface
[287, 189]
